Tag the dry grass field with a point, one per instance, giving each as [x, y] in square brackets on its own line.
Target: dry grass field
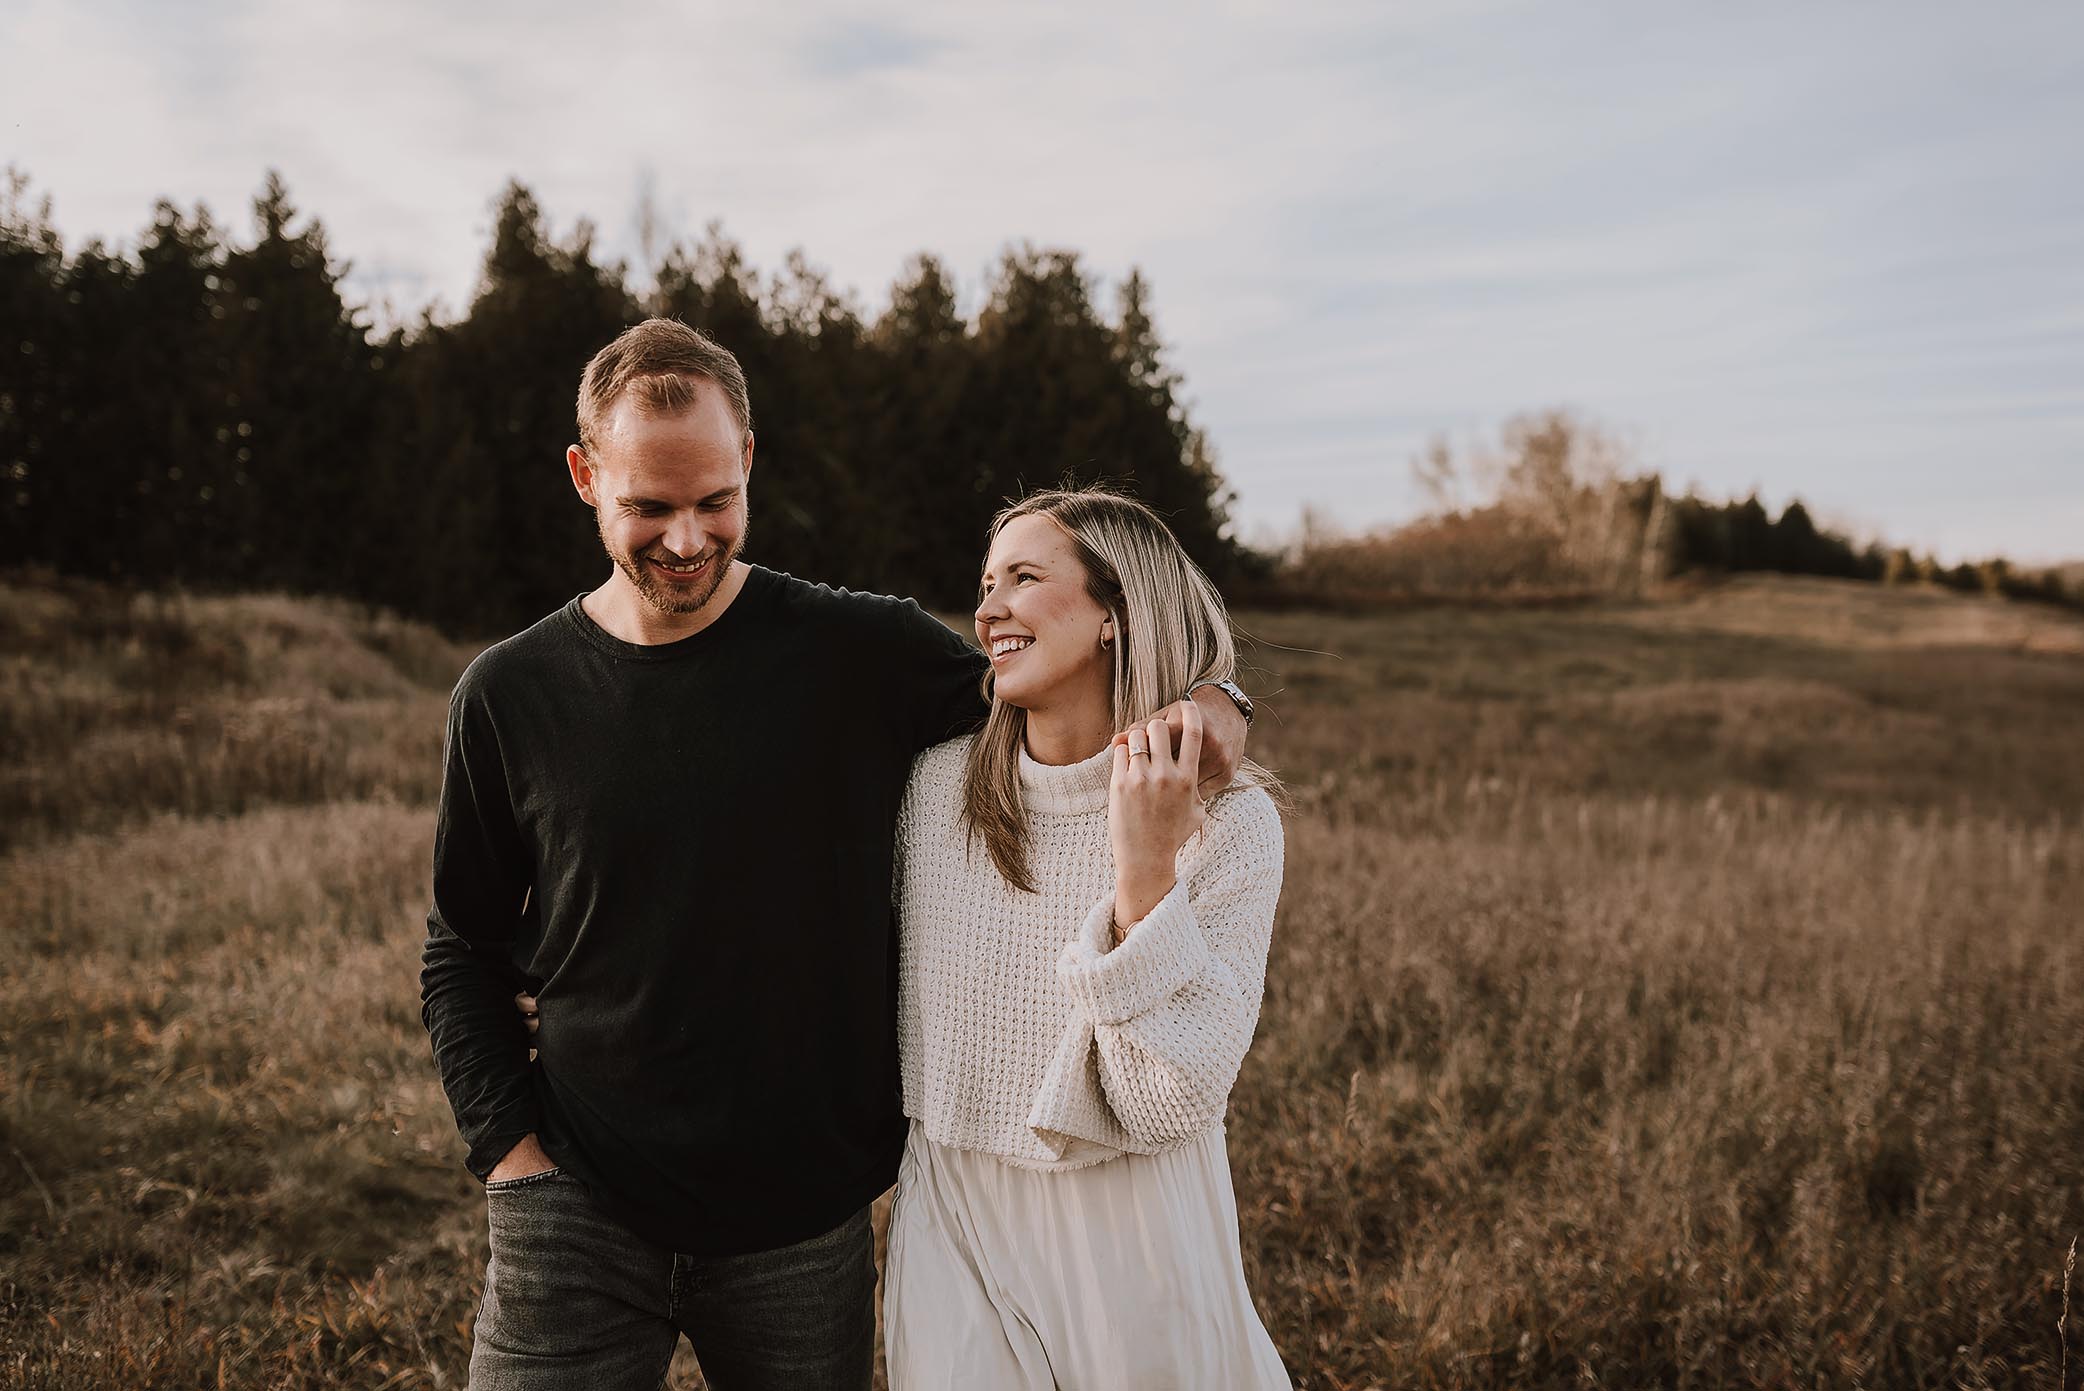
[1686, 994]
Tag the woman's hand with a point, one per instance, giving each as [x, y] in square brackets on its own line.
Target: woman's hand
[1152, 810]
[1223, 736]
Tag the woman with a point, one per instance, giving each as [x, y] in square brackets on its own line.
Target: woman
[1083, 950]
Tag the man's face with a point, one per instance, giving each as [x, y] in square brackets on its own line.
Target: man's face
[669, 495]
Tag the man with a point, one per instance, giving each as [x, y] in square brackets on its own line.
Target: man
[669, 807]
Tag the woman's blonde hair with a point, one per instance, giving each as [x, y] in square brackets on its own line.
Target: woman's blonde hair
[1170, 631]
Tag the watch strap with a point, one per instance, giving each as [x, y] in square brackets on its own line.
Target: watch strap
[1237, 696]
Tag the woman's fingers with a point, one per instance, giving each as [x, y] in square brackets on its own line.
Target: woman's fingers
[1160, 736]
[525, 1002]
[1190, 739]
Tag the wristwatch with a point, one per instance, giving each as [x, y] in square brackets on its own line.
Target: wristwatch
[1238, 698]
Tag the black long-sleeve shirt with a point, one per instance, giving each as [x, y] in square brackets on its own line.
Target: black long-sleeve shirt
[686, 851]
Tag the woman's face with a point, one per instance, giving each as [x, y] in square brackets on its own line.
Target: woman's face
[1037, 623]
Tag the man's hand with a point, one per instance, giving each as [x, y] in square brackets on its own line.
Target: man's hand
[527, 1157]
[522, 1160]
[1222, 737]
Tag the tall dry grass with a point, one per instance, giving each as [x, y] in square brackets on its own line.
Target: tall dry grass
[1630, 1092]
[113, 704]
[1675, 995]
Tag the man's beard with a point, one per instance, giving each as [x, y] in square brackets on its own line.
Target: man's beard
[664, 595]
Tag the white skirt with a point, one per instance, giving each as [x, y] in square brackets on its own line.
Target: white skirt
[1121, 1274]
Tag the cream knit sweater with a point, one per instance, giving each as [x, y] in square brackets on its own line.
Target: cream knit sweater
[1022, 1031]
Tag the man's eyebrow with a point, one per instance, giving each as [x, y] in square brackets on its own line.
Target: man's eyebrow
[638, 500]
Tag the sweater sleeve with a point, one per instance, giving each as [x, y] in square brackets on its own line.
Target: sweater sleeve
[467, 979]
[1161, 1023]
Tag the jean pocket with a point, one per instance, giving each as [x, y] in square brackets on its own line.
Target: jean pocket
[508, 1185]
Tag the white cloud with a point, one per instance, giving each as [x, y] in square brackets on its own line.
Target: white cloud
[1826, 249]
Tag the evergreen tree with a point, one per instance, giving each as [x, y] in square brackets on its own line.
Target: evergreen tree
[302, 384]
[36, 399]
[1069, 399]
[504, 535]
[1181, 473]
[821, 515]
[1792, 543]
[1750, 536]
[96, 427]
[924, 439]
[166, 429]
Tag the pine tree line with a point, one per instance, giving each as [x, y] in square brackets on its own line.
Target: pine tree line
[213, 412]
[1742, 535]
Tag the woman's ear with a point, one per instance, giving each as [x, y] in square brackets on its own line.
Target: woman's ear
[1107, 632]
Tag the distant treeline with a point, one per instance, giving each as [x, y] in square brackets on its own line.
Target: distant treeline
[210, 411]
[1559, 510]
[1742, 535]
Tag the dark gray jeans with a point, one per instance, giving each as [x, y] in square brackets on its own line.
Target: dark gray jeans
[575, 1299]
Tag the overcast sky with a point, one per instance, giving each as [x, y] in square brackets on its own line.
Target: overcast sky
[1826, 250]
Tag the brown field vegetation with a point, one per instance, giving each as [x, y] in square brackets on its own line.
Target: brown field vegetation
[1675, 994]
[1560, 510]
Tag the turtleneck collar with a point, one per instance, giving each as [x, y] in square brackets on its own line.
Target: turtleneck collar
[1068, 791]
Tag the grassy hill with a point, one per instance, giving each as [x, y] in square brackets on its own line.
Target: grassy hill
[1677, 994]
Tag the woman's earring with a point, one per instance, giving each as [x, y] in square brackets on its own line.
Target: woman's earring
[1106, 638]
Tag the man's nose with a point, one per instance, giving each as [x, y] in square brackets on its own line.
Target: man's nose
[684, 535]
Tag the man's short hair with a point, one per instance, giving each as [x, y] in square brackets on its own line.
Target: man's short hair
[657, 363]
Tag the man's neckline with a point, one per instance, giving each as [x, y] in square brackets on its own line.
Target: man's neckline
[757, 581]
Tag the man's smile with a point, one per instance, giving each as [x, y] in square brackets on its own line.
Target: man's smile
[681, 569]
